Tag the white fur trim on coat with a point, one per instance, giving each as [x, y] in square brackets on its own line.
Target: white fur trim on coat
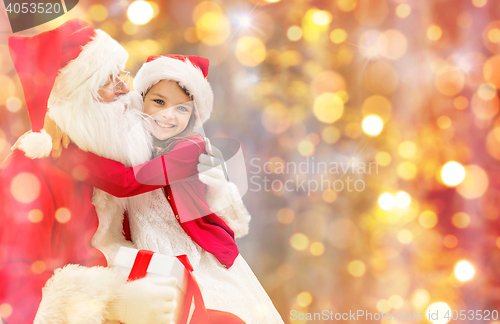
[78, 295]
[232, 211]
[186, 74]
[36, 145]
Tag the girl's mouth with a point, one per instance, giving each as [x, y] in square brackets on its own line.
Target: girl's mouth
[167, 125]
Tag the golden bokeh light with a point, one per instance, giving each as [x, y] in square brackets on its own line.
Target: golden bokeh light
[372, 125]
[428, 219]
[438, 308]
[38, 267]
[5, 311]
[330, 134]
[434, 32]
[329, 195]
[328, 81]
[407, 170]
[383, 158]
[484, 109]
[450, 241]
[213, 29]
[294, 33]
[452, 173]
[407, 149]
[299, 241]
[396, 301]
[338, 36]
[402, 199]
[35, 215]
[98, 12]
[403, 10]
[460, 220]
[140, 12]
[464, 270]
[346, 5]
[306, 148]
[286, 215]
[63, 215]
[444, 122]
[450, 82]
[250, 51]
[317, 248]
[405, 236]
[328, 107]
[420, 298]
[461, 102]
[475, 183]
[479, 3]
[393, 44]
[487, 91]
[384, 306]
[386, 201]
[321, 18]
[356, 268]
[491, 71]
[304, 299]
[13, 104]
[25, 187]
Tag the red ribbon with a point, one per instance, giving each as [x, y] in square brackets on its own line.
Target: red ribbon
[200, 315]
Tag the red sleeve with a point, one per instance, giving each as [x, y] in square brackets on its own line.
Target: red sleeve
[120, 181]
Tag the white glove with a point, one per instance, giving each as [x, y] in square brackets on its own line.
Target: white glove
[144, 301]
[213, 177]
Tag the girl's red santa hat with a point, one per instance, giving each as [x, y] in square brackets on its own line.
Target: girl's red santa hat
[68, 63]
[189, 71]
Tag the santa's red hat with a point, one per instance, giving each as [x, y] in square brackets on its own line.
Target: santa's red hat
[189, 71]
[70, 62]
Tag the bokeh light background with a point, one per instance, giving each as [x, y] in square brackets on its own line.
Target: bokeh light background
[411, 85]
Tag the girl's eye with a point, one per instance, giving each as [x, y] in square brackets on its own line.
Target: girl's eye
[159, 101]
[182, 108]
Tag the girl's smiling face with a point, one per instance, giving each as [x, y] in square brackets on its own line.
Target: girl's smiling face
[170, 109]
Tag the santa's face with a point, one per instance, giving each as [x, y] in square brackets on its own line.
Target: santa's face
[170, 109]
[113, 89]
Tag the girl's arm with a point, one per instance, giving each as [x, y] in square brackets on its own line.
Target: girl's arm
[116, 179]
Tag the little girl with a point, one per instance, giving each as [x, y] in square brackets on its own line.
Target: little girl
[176, 219]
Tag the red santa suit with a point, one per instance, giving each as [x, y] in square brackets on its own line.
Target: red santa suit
[47, 216]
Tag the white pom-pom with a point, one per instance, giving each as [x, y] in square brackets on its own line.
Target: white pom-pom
[36, 145]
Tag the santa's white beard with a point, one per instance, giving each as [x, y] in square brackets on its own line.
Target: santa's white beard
[115, 130]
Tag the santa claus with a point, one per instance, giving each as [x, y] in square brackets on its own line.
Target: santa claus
[47, 219]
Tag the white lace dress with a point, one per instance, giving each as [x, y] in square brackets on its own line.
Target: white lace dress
[154, 227]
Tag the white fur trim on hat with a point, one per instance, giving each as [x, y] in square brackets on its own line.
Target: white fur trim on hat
[85, 75]
[183, 72]
[36, 145]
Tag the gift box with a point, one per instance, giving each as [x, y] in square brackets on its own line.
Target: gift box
[136, 264]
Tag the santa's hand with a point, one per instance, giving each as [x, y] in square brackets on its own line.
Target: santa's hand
[58, 137]
[211, 174]
[144, 301]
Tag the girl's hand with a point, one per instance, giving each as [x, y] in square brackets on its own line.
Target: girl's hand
[212, 175]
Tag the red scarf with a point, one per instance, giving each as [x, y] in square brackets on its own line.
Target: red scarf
[192, 212]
